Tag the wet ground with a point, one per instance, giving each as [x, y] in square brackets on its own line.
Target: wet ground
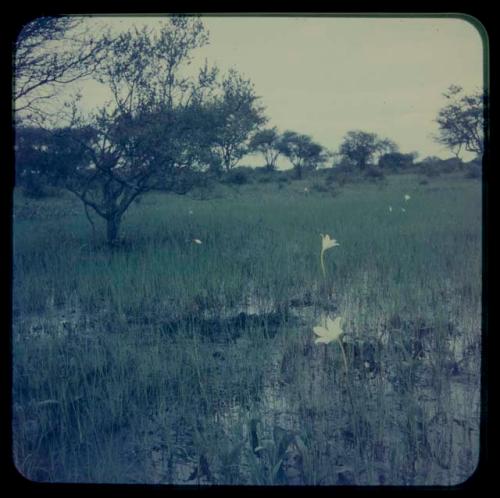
[408, 422]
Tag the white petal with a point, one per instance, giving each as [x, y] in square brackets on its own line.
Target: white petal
[334, 324]
[324, 340]
[321, 331]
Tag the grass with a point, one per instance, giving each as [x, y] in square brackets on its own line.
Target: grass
[198, 362]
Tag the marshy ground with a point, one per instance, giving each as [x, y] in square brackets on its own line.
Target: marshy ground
[168, 361]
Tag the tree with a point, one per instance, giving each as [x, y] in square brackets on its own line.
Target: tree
[267, 143]
[235, 116]
[396, 160]
[461, 121]
[49, 53]
[301, 151]
[154, 134]
[31, 160]
[360, 147]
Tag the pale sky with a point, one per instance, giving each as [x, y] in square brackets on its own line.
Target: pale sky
[324, 76]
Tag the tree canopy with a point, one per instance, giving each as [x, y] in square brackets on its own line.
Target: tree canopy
[360, 147]
[235, 116]
[301, 151]
[49, 53]
[161, 128]
[461, 121]
[267, 142]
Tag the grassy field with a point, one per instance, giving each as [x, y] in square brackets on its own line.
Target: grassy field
[169, 361]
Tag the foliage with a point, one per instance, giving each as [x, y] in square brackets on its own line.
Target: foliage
[374, 173]
[473, 169]
[267, 143]
[49, 53]
[435, 166]
[429, 166]
[302, 152]
[235, 116]
[163, 130]
[238, 176]
[395, 161]
[461, 121]
[360, 147]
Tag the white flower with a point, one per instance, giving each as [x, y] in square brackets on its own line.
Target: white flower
[190, 211]
[197, 241]
[407, 197]
[331, 332]
[403, 209]
[390, 209]
[327, 242]
[306, 190]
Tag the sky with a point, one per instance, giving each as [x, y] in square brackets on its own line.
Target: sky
[325, 76]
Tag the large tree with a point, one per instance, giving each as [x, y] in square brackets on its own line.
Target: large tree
[236, 115]
[49, 53]
[302, 152]
[360, 147]
[461, 121]
[155, 133]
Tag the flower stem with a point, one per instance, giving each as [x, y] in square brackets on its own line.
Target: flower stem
[323, 264]
[344, 357]
[348, 385]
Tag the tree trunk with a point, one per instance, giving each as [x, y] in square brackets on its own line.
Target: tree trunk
[113, 229]
[298, 172]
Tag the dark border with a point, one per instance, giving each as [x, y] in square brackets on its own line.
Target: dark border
[13, 22]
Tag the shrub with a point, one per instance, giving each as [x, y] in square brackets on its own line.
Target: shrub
[340, 175]
[33, 187]
[396, 161]
[238, 176]
[450, 165]
[473, 172]
[429, 169]
[374, 173]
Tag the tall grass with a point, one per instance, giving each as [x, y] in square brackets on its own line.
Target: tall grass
[111, 349]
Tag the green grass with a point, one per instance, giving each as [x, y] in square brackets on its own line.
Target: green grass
[140, 352]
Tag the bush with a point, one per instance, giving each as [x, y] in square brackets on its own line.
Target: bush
[434, 166]
[33, 187]
[450, 165]
[238, 176]
[473, 172]
[265, 179]
[395, 161]
[340, 175]
[374, 173]
[429, 169]
[35, 191]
